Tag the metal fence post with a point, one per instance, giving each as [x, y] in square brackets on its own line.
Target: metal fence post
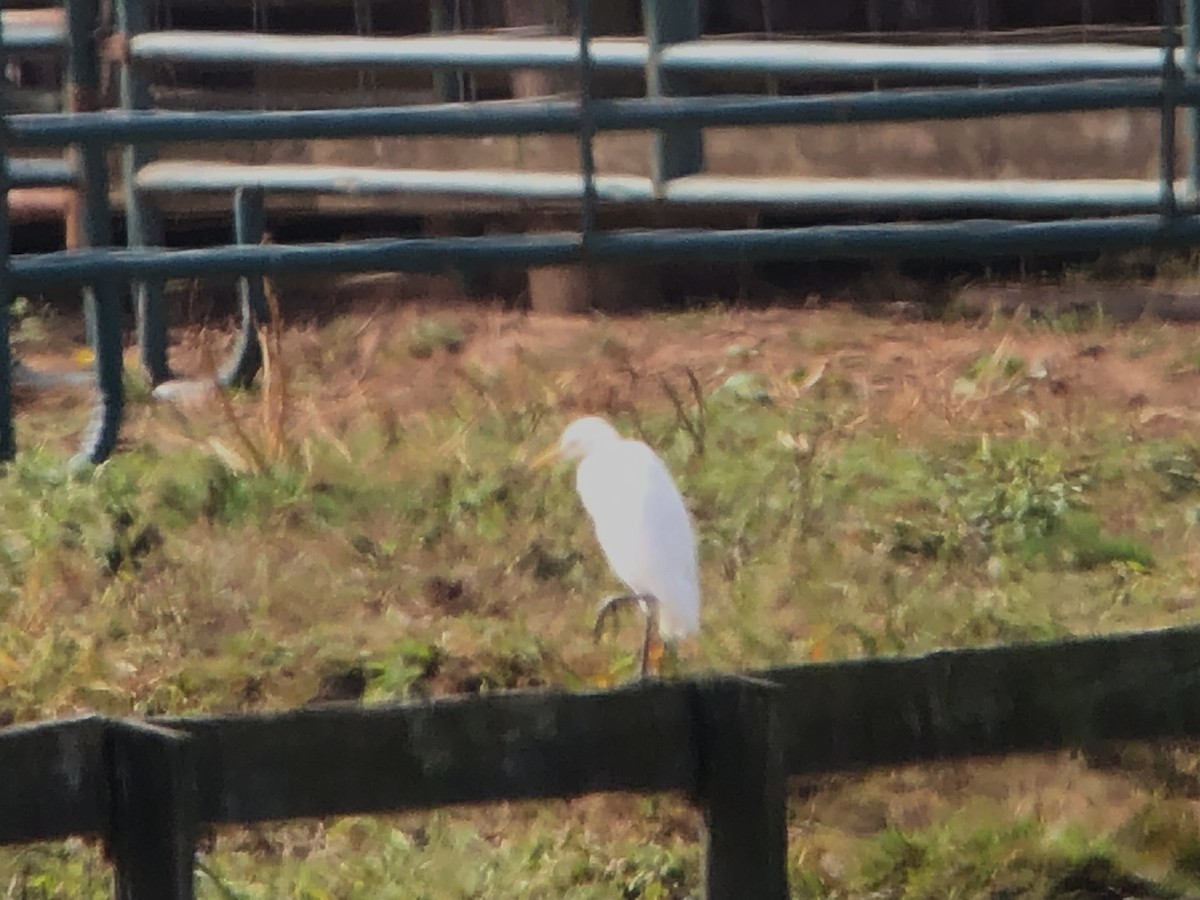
[587, 123]
[742, 788]
[152, 835]
[101, 299]
[8, 442]
[678, 150]
[1191, 45]
[249, 226]
[448, 86]
[1170, 93]
[142, 224]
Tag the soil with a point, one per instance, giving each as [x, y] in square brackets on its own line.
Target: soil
[906, 374]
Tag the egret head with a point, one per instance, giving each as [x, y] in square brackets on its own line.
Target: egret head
[579, 439]
[583, 436]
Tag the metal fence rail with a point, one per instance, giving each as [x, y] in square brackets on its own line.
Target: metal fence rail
[727, 743]
[1115, 214]
[34, 30]
[721, 57]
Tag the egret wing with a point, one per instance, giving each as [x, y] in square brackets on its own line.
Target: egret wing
[611, 483]
[644, 530]
[669, 548]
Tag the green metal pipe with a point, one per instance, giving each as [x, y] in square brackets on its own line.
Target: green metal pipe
[1191, 46]
[587, 123]
[249, 226]
[678, 147]
[562, 117]
[869, 196]
[684, 56]
[1171, 91]
[449, 86]
[969, 239]
[142, 224]
[8, 440]
[31, 31]
[101, 297]
[30, 173]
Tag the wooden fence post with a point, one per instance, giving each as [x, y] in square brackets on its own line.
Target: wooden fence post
[152, 835]
[741, 785]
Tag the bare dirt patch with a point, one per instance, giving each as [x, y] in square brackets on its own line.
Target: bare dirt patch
[908, 375]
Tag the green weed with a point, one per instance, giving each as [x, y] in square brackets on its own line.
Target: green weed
[429, 335]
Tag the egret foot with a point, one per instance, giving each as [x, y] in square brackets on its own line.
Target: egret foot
[652, 655]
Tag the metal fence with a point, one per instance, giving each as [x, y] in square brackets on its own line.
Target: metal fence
[1027, 216]
[728, 743]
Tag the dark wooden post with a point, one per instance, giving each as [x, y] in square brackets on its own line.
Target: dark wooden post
[742, 788]
[552, 289]
[152, 835]
[532, 16]
[577, 287]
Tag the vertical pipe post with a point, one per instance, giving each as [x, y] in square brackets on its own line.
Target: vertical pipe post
[678, 150]
[364, 25]
[449, 87]
[1170, 92]
[1191, 46]
[8, 441]
[587, 124]
[249, 226]
[142, 222]
[101, 300]
[741, 782]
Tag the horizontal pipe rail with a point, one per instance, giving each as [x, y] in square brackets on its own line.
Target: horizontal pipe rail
[27, 205]
[563, 117]
[1005, 197]
[966, 61]
[988, 238]
[33, 30]
[808, 58]
[30, 173]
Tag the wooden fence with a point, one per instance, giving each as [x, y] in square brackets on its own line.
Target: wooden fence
[728, 743]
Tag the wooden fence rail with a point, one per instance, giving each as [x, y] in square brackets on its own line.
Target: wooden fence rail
[728, 743]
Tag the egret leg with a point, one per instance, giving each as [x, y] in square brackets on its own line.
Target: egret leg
[651, 610]
[609, 606]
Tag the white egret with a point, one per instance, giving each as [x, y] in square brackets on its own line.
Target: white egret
[642, 525]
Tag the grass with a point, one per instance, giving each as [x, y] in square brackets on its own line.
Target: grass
[372, 529]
